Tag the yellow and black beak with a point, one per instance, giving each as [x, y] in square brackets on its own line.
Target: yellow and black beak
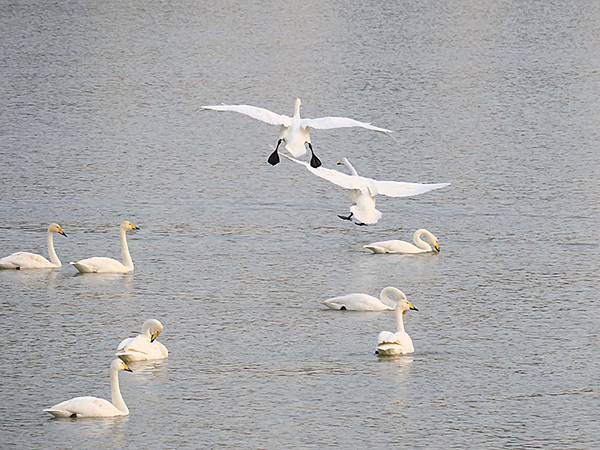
[62, 232]
[134, 227]
[126, 367]
[437, 247]
[412, 307]
[154, 336]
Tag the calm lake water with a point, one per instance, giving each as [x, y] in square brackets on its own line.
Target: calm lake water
[100, 121]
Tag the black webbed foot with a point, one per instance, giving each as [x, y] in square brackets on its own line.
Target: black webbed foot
[314, 161]
[346, 217]
[274, 157]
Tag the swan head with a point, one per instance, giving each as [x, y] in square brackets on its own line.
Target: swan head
[152, 328]
[398, 297]
[119, 364]
[129, 226]
[56, 228]
[433, 241]
[297, 103]
[343, 162]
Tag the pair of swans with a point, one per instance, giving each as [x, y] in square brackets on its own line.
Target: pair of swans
[140, 348]
[295, 131]
[388, 343]
[403, 247]
[363, 190]
[26, 260]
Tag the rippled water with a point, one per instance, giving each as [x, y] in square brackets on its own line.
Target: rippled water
[100, 122]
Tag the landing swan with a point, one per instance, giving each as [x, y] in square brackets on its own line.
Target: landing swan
[144, 346]
[363, 190]
[295, 131]
[419, 246]
[25, 260]
[398, 343]
[364, 302]
[96, 407]
[109, 265]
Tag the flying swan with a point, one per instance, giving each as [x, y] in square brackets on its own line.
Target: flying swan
[144, 346]
[420, 246]
[25, 260]
[295, 131]
[364, 190]
[398, 343]
[387, 300]
[79, 407]
[109, 265]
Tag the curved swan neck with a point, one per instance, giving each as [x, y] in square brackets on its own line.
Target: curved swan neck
[116, 397]
[420, 242]
[399, 318]
[125, 250]
[53, 256]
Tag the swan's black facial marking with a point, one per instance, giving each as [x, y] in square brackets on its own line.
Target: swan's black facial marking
[343, 308]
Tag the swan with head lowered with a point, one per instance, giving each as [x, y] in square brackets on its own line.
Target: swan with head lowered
[144, 346]
[398, 343]
[110, 265]
[396, 246]
[363, 302]
[80, 407]
[295, 131]
[26, 260]
[364, 190]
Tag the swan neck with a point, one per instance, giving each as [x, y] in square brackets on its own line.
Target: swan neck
[350, 167]
[297, 109]
[125, 250]
[420, 242]
[399, 319]
[53, 256]
[116, 397]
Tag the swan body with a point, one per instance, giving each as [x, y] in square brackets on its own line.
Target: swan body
[110, 265]
[396, 246]
[80, 407]
[398, 343]
[364, 302]
[26, 260]
[295, 131]
[363, 190]
[144, 346]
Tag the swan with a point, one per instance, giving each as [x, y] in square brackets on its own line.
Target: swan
[109, 265]
[295, 131]
[398, 343]
[144, 346]
[79, 407]
[364, 190]
[25, 260]
[420, 246]
[364, 302]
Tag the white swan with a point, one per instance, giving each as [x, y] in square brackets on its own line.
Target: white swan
[93, 406]
[420, 246]
[398, 343]
[387, 300]
[25, 260]
[144, 346]
[109, 265]
[295, 131]
[363, 190]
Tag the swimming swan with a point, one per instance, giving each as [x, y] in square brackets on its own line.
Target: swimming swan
[363, 190]
[96, 407]
[109, 265]
[419, 246]
[363, 302]
[295, 131]
[398, 343]
[25, 260]
[144, 346]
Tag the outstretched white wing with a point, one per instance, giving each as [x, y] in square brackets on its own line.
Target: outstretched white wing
[262, 114]
[401, 189]
[333, 176]
[325, 123]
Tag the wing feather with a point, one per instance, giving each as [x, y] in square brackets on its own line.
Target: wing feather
[402, 189]
[326, 123]
[262, 114]
[333, 176]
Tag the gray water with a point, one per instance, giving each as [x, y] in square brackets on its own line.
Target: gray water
[100, 121]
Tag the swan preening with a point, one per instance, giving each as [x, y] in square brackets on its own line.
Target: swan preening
[26, 260]
[420, 246]
[364, 190]
[398, 343]
[144, 346]
[93, 406]
[387, 301]
[109, 265]
[295, 131]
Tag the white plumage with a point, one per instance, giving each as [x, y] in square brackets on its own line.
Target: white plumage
[396, 246]
[26, 260]
[144, 346]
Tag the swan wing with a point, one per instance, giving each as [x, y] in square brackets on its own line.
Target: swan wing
[262, 114]
[326, 123]
[393, 246]
[333, 176]
[24, 260]
[402, 189]
[100, 264]
[356, 302]
[140, 348]
[84, 407]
